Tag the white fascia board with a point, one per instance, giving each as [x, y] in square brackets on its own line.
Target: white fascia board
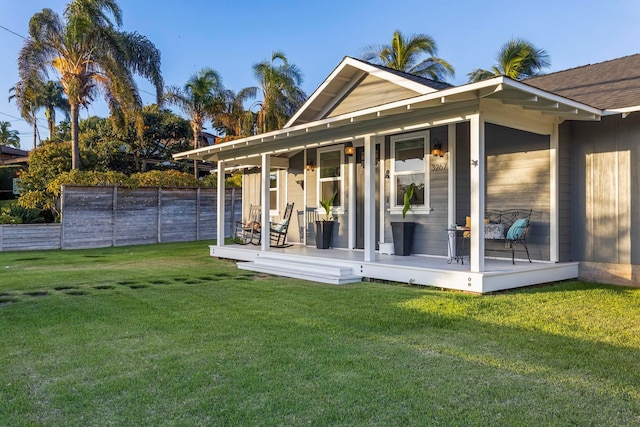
[367, 68]
[551, 96]
[318, 91]
[623, 111]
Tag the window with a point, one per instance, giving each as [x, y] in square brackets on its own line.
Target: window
[410, 165]
[274, 193]
[330, 180]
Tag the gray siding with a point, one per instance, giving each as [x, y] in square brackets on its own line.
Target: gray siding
[371, 92]
[565, 191]
[430, 237]
[606, 198]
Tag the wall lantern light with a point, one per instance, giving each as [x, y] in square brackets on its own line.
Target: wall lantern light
[310, 166]
[436, 149]
[349, 149]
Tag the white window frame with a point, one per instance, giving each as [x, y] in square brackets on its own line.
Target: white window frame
[275, 210]
[336, 210]
[415, 209]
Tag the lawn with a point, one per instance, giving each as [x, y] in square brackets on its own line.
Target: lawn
[166, 335]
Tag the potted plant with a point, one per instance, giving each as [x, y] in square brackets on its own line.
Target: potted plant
[403, 231]
[324, 227]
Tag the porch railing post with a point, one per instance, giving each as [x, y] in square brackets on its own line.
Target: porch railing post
[369, 199]
[220, 205]
[265, 202]
[477, 151]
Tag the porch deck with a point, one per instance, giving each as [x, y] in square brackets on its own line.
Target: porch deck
[309, 263]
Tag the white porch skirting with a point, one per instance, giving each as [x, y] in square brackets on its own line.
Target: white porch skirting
[296, 260]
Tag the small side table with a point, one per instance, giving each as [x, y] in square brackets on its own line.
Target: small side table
[457, 244]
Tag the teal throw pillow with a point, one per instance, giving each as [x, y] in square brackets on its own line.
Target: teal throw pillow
[517, 229]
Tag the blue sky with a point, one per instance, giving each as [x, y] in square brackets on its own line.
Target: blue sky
[231, 36]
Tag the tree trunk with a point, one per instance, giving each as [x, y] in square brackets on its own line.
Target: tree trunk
[75, 144]
[197, 130]
[35, 132]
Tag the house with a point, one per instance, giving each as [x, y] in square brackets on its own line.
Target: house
[10, 155]
[564, 146]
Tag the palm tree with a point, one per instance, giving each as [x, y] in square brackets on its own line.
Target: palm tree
[52, 99]
[201, 98]
[91, 55]
[406, 54]
[282, 95]
[517, 59]
[232, 119]
[26, 94]
[8, 136]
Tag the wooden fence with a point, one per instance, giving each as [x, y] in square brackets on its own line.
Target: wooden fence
[95, 217]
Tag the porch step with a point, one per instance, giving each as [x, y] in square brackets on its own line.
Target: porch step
[305, 270]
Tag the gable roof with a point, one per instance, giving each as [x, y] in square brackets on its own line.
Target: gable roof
[609, 85]
[349, 87]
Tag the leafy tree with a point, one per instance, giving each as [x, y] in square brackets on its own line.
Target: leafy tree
[407, 54]
[169, 178]
[91, 55]
[280, 85]
[8, 136]
[202, 98]
[517, 59]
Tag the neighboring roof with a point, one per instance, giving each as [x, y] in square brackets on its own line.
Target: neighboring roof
[353, 81]
[609, 85]
[5, 149]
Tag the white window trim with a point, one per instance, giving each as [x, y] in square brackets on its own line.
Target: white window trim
[275, 211]
[340, 210]
[426, 208]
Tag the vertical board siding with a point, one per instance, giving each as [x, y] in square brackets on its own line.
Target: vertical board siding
[605, 197]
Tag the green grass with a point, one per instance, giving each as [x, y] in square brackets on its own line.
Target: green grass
[166, 335]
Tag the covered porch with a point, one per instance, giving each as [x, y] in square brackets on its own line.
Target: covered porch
[455, 185]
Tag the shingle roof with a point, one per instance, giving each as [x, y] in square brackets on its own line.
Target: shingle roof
[606, 85]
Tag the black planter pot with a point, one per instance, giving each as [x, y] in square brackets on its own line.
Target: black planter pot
[402, 237]
[324, 232]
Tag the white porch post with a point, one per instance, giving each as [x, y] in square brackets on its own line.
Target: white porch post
[265, 201]
[304, 199]
[382, 189]
[369, 198]
[220, 205]
[477, 192]
[554, 210]
[451, 216]
[352, 201]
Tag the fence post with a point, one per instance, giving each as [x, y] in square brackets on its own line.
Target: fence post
[198, 213]
[114, 216]
[62, 226]
[159, 207]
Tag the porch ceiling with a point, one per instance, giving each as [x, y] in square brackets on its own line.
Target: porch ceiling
[444, 106]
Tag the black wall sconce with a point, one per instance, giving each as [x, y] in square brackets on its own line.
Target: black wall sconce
[310, 166]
